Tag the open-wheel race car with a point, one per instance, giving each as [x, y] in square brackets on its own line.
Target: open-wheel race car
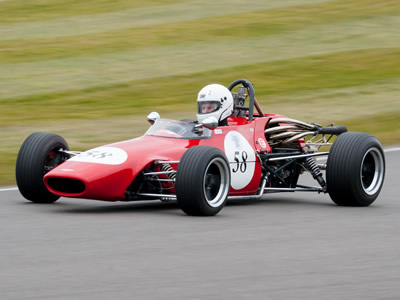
[232, 151]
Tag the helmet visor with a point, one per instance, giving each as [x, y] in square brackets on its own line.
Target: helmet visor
[206, 107]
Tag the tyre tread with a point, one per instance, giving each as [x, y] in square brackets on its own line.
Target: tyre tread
[189, 180]
[29, 166]
[343, 167]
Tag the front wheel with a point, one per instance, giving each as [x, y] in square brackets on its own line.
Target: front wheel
[202, 181]
[355, 169]
[38, 155]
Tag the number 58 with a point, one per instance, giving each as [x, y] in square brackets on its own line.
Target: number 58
[240, 165]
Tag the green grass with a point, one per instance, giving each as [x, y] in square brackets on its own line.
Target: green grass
[242, 26]
[273, 81]
[91, 71]
[38, 10]
[385, 126]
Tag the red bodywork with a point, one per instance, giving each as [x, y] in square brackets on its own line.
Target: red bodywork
[110, 181]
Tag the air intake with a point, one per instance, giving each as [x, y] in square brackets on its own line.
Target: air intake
[66, 185]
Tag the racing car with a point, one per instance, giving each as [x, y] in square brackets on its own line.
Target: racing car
[235, 151]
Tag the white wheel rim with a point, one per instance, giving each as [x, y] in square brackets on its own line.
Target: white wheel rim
[372, 171]
[216, 182]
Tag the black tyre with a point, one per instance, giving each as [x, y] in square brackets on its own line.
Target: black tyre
[38, 155]
[355, 169]
[202, 181]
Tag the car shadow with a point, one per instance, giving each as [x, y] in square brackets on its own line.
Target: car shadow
[280, 201]
[84, 206]
[155, 206]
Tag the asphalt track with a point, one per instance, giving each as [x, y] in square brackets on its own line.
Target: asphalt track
[286, 246]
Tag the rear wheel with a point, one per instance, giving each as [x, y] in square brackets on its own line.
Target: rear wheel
[202, 181]
[355, 169]
[37, 156]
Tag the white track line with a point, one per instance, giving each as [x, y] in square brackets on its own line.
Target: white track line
[14, 188]
[384, 150]
[392, 149]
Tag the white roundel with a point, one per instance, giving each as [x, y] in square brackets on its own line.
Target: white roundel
[241, 159]
[102, 155]
[262, 143]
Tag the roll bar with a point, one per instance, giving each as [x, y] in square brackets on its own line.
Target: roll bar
[253, 101]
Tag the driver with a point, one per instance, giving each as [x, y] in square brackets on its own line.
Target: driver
[214, 100]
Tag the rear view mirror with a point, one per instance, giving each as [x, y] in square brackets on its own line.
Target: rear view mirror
[153, 117]
[210, 123]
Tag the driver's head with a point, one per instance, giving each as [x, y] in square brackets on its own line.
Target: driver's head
[214, 100]
[208, 107]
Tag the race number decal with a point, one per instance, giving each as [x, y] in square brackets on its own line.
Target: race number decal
[102, 155]
[241, 159]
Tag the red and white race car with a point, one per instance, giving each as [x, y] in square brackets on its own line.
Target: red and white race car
[203, 164]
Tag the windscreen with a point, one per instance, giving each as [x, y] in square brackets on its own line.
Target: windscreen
[178, 130]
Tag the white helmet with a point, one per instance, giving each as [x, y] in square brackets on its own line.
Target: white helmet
[214, 100]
